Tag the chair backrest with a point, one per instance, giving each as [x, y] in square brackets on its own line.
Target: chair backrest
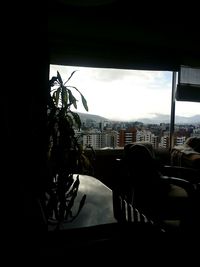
[149, 190]
[142, 167]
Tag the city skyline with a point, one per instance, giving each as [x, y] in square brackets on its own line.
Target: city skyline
[101, 134]
[125, 95]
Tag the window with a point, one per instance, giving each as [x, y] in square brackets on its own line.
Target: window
[126, 106]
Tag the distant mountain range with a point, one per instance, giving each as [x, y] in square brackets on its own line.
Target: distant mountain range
[159, 118]
[88, 116]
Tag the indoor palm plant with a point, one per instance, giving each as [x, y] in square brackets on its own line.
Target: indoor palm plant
[65, 156]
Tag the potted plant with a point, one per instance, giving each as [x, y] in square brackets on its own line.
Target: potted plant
[65, 155]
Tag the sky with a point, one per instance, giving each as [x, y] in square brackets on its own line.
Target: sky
[124, 95]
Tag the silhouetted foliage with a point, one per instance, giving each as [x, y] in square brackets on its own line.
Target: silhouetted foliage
[65, 155]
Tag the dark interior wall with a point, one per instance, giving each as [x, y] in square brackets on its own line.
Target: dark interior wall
[25, 121]
[33, 110]
[123, 36]
[24, 86]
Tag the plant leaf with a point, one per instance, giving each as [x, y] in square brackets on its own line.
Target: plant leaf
[64, 96]
[69, 119]
[72, 99]
[84, 102]
[82, 97]
[59, 78]
[76, 118]
[70, 76]
[57, 95]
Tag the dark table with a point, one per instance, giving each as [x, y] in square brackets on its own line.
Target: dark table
[105, 225]
[95, 204]
[97, 208]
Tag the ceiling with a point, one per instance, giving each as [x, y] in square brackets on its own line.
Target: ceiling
[116, 33]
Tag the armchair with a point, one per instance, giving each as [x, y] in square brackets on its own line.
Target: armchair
[187, 155]
[168, 200]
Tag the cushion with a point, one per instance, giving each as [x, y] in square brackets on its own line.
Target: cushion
[194, 142]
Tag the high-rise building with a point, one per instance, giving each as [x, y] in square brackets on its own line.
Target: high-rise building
[180, 140]
[154, 141]
[164, 142]
[126, 136]
[94, 139]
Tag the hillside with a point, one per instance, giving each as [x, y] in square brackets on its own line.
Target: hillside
[88, 116]
[159, 118]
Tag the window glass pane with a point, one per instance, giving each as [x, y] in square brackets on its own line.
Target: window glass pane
[126, 105]
[187, 121]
